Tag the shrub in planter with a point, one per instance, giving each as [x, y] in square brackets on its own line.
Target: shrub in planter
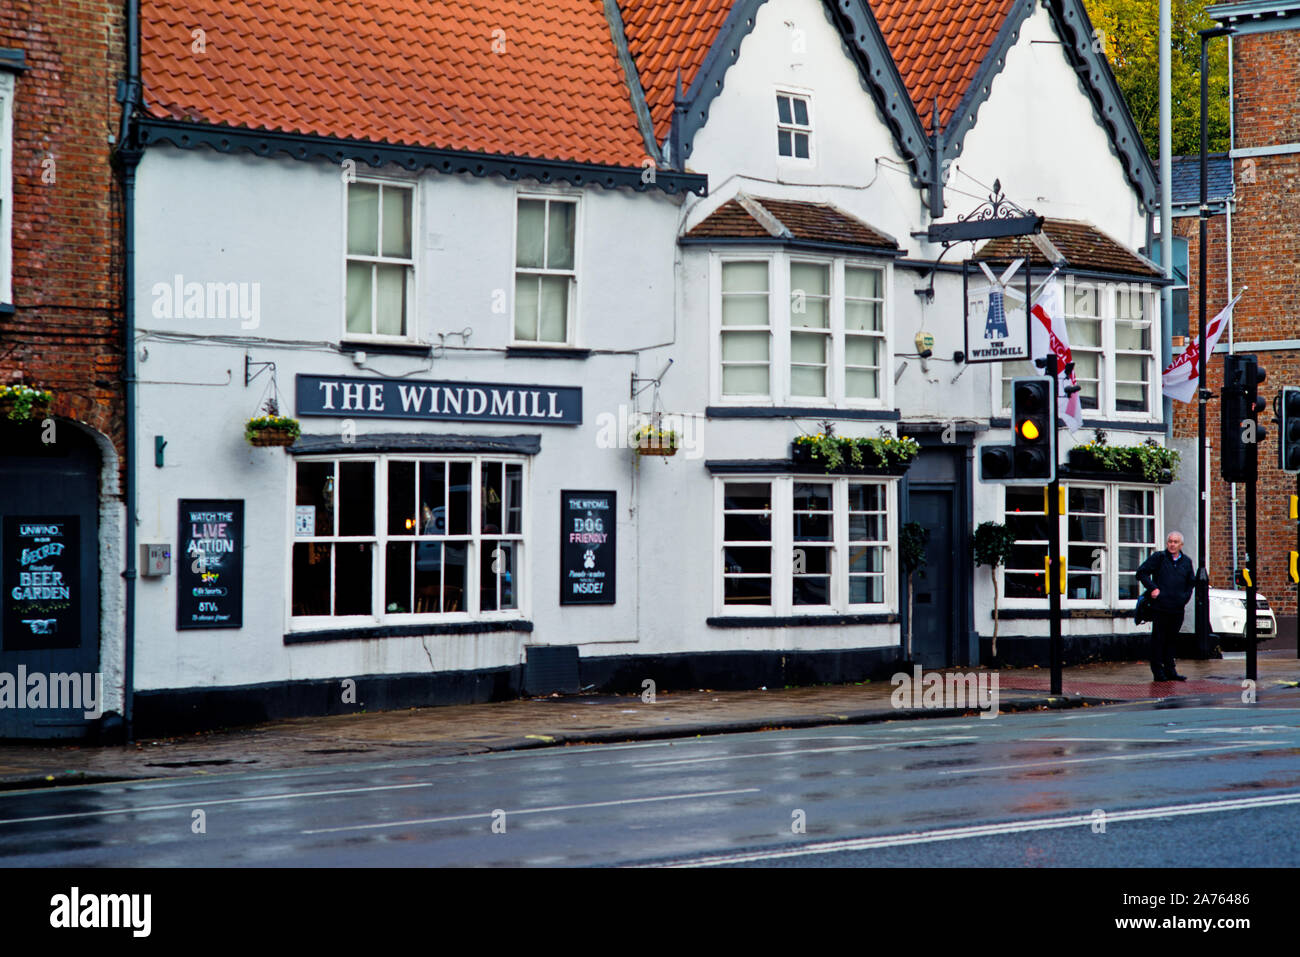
[18, 403]
[265, 430]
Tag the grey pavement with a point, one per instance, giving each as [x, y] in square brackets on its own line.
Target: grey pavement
[593, 718]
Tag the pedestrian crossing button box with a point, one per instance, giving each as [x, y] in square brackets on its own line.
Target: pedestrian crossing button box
[155, 560]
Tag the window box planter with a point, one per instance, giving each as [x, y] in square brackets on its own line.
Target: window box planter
[272, 430]
[1131, 463]
[836, 455]
[20, 403]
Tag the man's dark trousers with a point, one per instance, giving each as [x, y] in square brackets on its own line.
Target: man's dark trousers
[1164, 637]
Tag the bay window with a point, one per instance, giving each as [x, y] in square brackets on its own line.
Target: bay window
[801, 330]
[795, 545]
[384, 537]
[1107, 531]
[1111, 328]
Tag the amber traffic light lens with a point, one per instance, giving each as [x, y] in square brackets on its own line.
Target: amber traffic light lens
[1029, 430]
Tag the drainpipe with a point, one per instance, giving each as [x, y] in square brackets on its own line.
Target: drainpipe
[128, 155]
[1166, 213]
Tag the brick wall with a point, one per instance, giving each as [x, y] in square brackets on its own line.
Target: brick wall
[66, 330]
[1266, 259]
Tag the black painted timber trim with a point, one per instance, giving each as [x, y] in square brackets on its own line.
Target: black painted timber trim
[791, 467]
[181, 710]
[416, 442]
[228, 139]
[421, 349]
[800, 621]
[406, 631]
[1113, 425]
[1044, 614]
[809, 245]
[797, 412]
[545, 352]
[738, 670]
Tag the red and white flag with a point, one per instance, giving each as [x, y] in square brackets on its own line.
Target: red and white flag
[1048, 334]
[1183, 376]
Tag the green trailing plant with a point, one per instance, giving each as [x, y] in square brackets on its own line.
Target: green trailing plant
[992, 545]
[279, 423]
[834, 451]
[1150, 459]
[912, 539]
[22, 400]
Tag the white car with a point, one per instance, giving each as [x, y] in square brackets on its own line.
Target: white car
[1228, 614]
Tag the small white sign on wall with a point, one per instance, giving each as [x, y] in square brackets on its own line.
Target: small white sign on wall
[996, 325]
[305, 520]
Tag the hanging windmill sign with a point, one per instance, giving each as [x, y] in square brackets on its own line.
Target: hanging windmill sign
[997, 327]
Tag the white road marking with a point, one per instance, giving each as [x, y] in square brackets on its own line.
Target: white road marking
[207, 803]
[1111, 757]
[800, 752]
[990, 830]
[529, 810]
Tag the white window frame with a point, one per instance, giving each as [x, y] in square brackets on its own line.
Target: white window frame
[783, 546]
[381, 536]
[1107, 307]
[793, 127]
[779, 303]
[7, 89]
[1109, 551]
[571, 314]
[411, 319]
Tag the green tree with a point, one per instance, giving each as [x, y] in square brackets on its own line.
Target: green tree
[991, 546]
[1129, 31]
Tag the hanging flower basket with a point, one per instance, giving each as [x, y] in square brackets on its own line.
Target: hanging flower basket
[265, 430]
[19, 403]
[651, 441]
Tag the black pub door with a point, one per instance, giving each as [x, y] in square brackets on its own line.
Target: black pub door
[934, 598]
[49, 581]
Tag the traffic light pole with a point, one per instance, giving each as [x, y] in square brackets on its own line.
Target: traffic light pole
[1250, 579]
[1054, 544]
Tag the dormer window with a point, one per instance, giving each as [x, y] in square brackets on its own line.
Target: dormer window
[794, 125]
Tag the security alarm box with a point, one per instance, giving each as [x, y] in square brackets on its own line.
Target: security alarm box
[155, 560]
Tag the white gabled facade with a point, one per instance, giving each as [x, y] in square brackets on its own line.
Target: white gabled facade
[722, 548]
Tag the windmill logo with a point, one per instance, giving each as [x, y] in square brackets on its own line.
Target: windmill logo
[995, 326]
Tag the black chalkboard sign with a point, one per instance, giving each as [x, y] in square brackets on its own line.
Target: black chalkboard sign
[210, 564]
[42, 582]
[588, 522]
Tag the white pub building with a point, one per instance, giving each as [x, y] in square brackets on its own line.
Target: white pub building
[472, 249]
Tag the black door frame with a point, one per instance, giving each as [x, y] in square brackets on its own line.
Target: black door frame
[963, 646]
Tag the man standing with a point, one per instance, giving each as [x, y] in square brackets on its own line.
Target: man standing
[1170, 578]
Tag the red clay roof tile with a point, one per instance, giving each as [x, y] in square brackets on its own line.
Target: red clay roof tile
[817, 222]
[411, 72]
[939, 46]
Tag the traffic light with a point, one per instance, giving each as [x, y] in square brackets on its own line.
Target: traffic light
[1240, 405]
[1033, 424]
[997, 463]
[1288, 429]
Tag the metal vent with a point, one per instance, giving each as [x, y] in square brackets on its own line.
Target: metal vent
[551, 668]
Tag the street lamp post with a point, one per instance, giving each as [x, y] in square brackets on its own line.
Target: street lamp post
[1203, 394]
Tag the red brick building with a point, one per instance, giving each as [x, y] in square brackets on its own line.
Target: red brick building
[61, 312]
[1254, 243]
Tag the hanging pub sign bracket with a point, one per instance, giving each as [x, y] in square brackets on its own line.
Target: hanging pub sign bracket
[995, 218]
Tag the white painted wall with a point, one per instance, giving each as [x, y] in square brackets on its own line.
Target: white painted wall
[642, 300]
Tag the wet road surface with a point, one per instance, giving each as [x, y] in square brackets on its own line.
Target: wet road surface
[1126, 785]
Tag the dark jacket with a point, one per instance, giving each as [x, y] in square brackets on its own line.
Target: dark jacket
[1176, 580]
